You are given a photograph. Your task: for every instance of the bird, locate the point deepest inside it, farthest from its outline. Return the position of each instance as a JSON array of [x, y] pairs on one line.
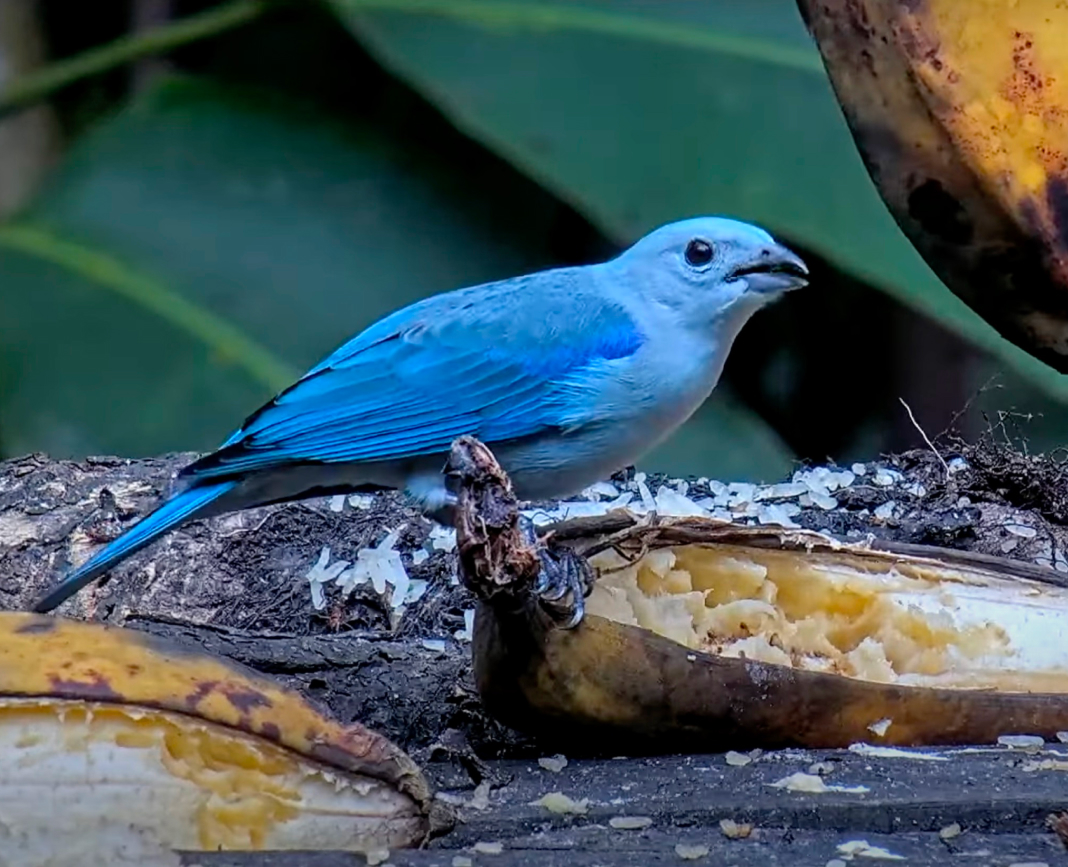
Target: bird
[[568, 375]]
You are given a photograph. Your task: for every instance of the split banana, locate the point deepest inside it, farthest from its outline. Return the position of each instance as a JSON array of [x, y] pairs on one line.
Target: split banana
[[114, 743], [960, 111], [704, 636]]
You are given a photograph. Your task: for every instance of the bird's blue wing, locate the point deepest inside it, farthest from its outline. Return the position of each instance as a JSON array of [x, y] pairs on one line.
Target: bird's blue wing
[[487, 361]]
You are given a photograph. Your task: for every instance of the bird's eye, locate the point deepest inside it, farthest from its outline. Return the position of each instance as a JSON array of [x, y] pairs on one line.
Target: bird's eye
[[699, 253]]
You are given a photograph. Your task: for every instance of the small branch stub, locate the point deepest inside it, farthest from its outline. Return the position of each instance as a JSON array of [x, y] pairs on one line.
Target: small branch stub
[[494, 556], [502, 560]]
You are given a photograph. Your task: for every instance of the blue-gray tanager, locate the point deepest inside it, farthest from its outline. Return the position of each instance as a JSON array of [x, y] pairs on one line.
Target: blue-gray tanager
[[568, 375]]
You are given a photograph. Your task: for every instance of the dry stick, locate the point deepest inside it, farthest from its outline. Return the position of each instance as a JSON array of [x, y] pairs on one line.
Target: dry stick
[[926, 439]]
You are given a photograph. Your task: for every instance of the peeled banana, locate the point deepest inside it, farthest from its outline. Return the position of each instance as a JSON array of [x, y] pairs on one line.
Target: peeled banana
[[113, 743], [960, 111]]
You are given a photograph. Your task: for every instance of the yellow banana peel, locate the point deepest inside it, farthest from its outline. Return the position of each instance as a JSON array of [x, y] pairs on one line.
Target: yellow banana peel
[[960, 111], [113, 741]]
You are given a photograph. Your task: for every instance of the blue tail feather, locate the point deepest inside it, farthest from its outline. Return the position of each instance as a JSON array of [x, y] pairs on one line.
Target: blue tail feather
[[176, 511]]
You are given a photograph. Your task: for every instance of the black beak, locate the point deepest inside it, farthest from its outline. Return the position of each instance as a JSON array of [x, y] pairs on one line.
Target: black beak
[[775, 269]]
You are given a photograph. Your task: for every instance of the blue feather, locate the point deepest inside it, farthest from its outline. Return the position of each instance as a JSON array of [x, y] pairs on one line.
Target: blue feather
[[476, 361], [176, 511]]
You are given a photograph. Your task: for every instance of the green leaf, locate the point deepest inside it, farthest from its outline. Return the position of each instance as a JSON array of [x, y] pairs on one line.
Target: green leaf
[[640, 112], [200, 249]]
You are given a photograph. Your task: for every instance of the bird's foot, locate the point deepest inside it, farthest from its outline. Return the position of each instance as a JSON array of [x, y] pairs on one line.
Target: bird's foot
[[564, 580]]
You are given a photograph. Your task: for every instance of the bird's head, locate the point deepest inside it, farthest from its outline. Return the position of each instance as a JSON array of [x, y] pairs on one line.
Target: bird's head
[[711, 269]]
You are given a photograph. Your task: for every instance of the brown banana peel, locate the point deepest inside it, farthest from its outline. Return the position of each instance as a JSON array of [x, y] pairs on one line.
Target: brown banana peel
[[113, 741], [960, 112], [702, 635]]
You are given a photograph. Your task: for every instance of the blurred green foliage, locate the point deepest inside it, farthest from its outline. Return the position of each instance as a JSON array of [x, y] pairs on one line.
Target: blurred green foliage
[[203, 242]]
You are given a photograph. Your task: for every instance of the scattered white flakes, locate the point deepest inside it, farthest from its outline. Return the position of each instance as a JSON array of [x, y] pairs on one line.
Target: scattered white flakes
[[553, 764], [462, 861], [484, 848], [321, 574], [879, 728], [337, 503], [443, 538], [1022, 742], [886, 511], [575, 509], [480, 798], [467, 633], [1021, 530], [417, 588], [877, 752], [376, 856], [1059, 561], [781, 491], [419, 555], [950, 831], [601, 491], [671, 503], [917, 490], [823, 480], [717, 488], [558, 802], [813, 785], [434, 645], [648, 503], [864, 849], [1045, 765], [361, 501], [778, 513], [737, 760], [401, 585], [859, 469], [383, 567], [823, 501], [688, 852], [735, 830], [739, 494], [630, 823]]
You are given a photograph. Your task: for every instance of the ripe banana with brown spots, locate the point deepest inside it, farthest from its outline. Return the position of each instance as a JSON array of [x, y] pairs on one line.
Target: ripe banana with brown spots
[[960, 111]]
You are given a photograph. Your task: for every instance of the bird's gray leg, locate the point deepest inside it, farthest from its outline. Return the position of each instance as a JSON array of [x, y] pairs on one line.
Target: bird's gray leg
[[564, 581]]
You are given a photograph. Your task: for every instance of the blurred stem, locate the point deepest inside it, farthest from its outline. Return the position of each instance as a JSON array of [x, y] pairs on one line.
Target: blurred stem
[[33, 87], [225, 339], [147, 16], [569, 16]]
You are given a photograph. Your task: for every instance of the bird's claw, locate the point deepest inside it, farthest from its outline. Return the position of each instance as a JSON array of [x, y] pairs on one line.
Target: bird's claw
[[564, 580]]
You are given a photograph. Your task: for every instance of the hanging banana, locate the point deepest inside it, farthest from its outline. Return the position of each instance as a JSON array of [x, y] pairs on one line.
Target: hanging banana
[[960, 111]]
